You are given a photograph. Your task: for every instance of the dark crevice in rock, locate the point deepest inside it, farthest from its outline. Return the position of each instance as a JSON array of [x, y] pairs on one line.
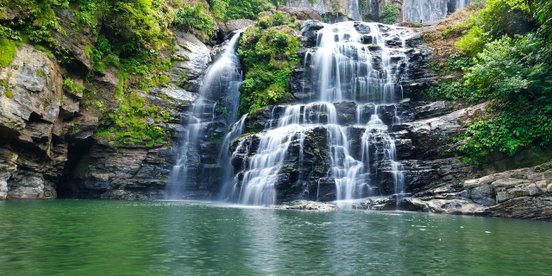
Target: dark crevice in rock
[[78, 158]]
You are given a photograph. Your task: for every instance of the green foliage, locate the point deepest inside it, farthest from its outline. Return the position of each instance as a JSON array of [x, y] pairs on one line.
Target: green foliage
[[451, 91], [218, 8], [455, 63], [510, 68], [141, 22], [7, 51], [268, 55], [495, 19], [390, 14], [89, 11], [542, 12], [246, 9], [473, 42], [508, 133], [238, 9], [195, 17], [36, 22], [72, 87], [507, 66], [500, 17], [515, 75]]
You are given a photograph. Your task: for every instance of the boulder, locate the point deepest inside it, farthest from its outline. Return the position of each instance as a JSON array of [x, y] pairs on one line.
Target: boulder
[[232, 26], [301, 13]]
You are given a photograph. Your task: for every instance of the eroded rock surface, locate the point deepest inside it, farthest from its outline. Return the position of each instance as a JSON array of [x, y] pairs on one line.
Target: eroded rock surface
[[522, 193]]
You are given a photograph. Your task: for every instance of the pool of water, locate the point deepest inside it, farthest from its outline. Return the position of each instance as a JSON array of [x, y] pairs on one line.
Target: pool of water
[[71, 237]]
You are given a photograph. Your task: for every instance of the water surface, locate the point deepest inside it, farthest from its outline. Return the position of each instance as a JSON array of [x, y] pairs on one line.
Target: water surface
[[64, 237]]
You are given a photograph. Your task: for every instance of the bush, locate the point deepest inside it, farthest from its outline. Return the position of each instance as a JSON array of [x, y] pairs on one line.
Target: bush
[[510, 67], [268, 55], [195, 17], [450, 91], [515, 75], [472, 42], [390, 14]]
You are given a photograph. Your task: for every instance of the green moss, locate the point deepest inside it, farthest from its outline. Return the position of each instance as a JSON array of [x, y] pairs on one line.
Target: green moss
[[8, 93], [269, 56], [40, 72], [135, 121], [72, 87], [7, 52]]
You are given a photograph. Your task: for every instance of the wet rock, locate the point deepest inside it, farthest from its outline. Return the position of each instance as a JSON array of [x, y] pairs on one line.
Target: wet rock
[[372, 203], [74, 40], [307, 205], [300, 174], [309, 32]]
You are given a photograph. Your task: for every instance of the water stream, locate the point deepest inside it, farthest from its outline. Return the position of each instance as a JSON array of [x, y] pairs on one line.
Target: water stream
[[219, 93], [430, 11], [356, 62]]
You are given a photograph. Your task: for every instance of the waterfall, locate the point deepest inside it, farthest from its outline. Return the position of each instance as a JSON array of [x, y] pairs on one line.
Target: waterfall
[[219, 93], [362, 63], [430, 11], [354, 10], [224, 158], [360, 66]]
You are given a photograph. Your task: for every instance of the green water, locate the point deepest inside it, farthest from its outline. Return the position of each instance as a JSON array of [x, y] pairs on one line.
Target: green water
[[161, 238]]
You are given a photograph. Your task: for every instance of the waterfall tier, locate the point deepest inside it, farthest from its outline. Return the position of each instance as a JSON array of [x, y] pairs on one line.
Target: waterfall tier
[[339, 144], [212, 113]]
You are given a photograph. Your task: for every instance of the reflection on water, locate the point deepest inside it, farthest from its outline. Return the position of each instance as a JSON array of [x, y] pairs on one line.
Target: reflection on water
[[184, 238]]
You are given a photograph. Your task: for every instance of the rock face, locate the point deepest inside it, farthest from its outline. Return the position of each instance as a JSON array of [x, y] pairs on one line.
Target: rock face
[[339, 9], [301, 13], [32, 150], [523, 193], [47, 147], [98, 170]]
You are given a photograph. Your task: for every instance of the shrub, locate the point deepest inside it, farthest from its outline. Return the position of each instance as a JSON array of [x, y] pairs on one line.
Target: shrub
[[514, 75], [268, 55], [390, 14], [472, 42], [195, 17]]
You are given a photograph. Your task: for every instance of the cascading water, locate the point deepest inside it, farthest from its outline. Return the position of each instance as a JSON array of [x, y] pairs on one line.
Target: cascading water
[[355, 62], [219, 93], [430, 11], [354, 10]]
